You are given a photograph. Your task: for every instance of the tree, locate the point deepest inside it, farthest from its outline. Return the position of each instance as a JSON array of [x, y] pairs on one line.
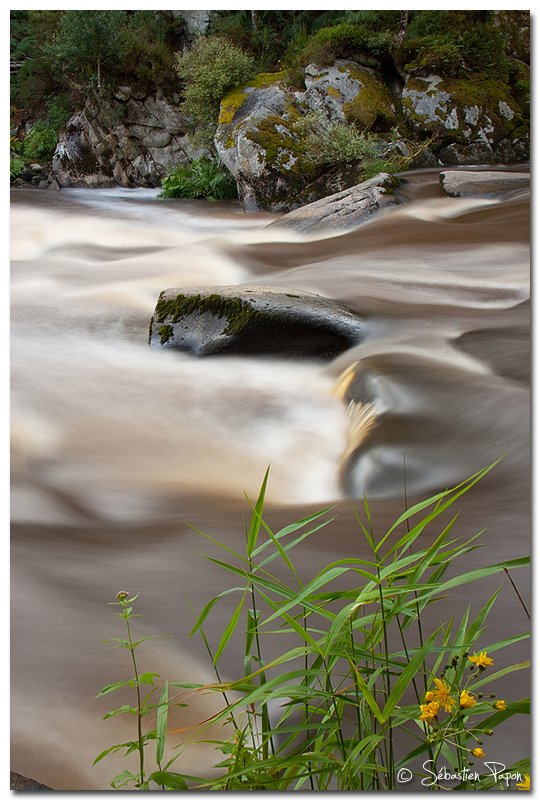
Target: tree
[[90, 38]]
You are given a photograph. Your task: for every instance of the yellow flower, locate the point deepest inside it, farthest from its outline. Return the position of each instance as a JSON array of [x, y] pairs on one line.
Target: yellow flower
[[442, 695], [466, 700], [429, 711], [478, 752], [482, 660], [429, 697], [526, 785], [501, 705]]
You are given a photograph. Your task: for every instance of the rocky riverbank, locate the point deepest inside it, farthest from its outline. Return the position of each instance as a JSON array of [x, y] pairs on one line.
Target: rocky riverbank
[[290, 138]]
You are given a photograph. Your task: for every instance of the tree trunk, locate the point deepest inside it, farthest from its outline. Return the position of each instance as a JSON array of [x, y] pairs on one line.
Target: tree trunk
[[99, 73], [403, 23], [254, 21]]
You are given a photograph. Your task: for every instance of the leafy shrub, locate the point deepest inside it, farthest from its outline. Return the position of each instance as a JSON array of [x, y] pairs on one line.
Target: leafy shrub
[[443, 39], [375, 20], [148, 55], [347, 40], [40, 143], [341, 40], [59, 109], [201, 178], [212, 68], [16, 166], [432, 54], [483, 50], [335, 142]]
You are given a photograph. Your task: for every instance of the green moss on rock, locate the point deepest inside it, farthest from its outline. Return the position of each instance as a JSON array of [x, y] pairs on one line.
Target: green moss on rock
[[278, 138], [372, 104], [166, 332], [233, 101], [238, 313]]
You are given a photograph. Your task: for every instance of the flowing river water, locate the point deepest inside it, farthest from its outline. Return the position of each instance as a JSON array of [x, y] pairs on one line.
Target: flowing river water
[[117, 449]]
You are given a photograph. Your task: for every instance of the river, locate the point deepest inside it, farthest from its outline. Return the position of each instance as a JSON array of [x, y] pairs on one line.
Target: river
[[117, 449]]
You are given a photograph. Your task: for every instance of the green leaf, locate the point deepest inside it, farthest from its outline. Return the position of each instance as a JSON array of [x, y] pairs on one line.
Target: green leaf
[[407, 675], [171, 779], [496, 675], [256, 518], [161, 723], [452, 494], [122, 641], [123, 779], [277, 544], [121, 710], [211, 603], [294, 527], [229, 629], [111, 687], [370, 700], [148, 677], [483, 572], [112, 749], [320, 580]]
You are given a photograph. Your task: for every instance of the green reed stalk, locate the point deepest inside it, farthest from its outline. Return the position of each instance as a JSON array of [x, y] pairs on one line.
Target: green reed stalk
[[131, 648]]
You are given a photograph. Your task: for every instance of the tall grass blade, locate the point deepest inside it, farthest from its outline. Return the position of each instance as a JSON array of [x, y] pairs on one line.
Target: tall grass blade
[[256, 518], [229, 630]]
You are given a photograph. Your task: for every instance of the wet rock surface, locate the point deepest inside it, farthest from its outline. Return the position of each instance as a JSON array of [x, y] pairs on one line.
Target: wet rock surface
[[464, 183], [21, 784], [253, 320], [344, 209]]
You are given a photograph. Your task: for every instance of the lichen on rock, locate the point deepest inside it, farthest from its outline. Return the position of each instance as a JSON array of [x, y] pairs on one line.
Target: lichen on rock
[[462, 111], [261, 141]]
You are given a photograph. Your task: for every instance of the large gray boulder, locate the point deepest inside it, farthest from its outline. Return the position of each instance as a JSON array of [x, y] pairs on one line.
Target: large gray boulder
[[465, 183], [262, 140], [253, 320], [349, 92], [343, 209], [462, 111]]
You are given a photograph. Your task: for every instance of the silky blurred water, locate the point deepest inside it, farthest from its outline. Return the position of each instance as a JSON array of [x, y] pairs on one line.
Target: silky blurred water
[[116, 446]]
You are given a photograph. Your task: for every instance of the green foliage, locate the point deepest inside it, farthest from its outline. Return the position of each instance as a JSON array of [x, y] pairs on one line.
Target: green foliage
[[344, 692], [16, 166], [140, 710], [330, 143], [34, 74], [455, 42], [40, 143], [432, 54], [272, 37], [201, 178], [344, 40], [148, 41], [89, 41], [212, 68]]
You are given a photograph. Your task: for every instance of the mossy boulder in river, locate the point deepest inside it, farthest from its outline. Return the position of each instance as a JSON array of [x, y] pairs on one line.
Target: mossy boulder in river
[[253, 320]]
